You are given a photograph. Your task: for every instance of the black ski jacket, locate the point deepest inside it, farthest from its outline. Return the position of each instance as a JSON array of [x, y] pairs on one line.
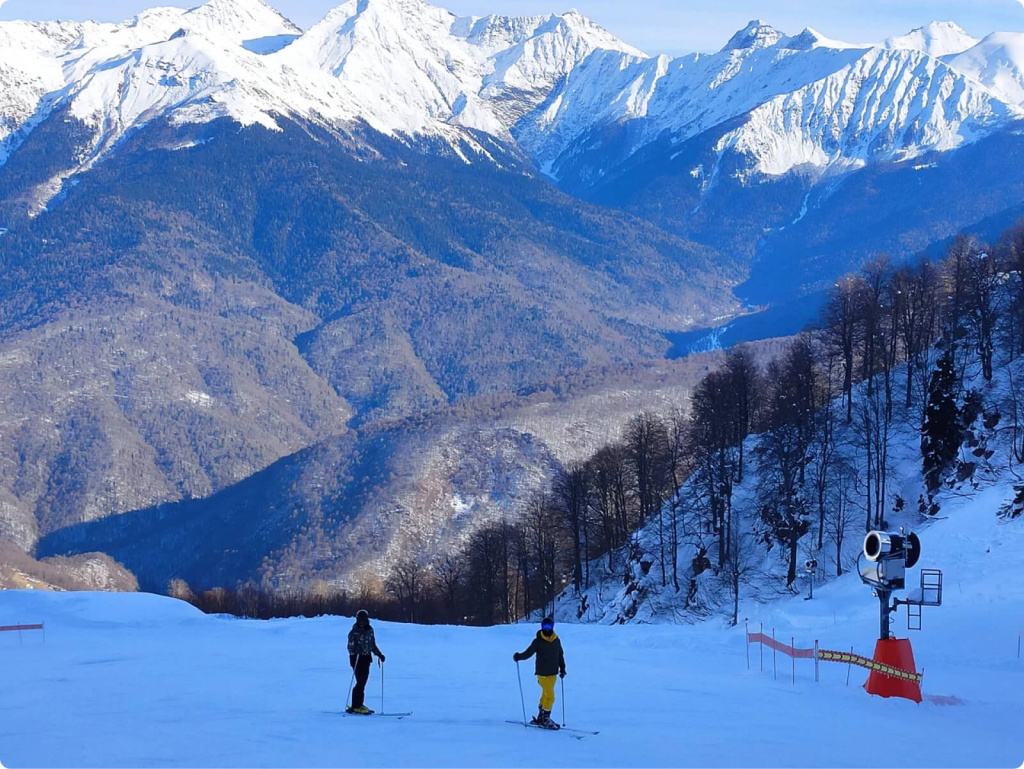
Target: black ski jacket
[[550, 658], [361, 641]]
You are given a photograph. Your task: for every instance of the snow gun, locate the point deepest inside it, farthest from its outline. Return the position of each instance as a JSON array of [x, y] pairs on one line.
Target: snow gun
[[883, 565]]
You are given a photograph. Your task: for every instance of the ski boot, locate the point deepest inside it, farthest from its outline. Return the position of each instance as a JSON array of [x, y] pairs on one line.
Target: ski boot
[[362, 710], [544, 721]]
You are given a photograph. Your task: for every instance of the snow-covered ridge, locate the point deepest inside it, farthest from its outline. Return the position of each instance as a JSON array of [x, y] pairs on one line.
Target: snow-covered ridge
[[940, 38], [997, 62], [805, 101], [409, 68]]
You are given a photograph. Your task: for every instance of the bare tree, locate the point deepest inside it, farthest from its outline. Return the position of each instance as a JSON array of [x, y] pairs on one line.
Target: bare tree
[[1011, 257], [738, 566], [647, 452], [840, 322], [746, 391], [449, 573], [571, 494], [915, 289], [842, 514], [406, 582]]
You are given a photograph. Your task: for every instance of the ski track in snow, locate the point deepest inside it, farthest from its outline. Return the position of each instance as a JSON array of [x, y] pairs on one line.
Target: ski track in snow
[[143, 680]]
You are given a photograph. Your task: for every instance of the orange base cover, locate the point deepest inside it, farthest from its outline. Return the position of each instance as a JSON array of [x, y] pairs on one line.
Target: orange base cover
[[898, 653]]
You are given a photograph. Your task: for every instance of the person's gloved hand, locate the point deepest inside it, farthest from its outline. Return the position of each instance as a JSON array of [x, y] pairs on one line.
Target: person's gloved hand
[[561, 673], [380, 657], [516, 657]]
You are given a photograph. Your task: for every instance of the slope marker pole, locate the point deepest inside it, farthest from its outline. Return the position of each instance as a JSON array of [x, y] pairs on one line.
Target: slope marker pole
[[775, 664], [746, 630]]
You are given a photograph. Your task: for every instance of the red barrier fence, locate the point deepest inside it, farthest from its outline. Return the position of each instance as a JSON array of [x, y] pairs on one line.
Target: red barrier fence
[[20, 627], [771, 643], [823, 655]]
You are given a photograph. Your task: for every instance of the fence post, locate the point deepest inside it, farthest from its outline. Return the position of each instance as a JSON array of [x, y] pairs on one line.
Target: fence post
[[760, 647], [816, 660], [746, 631], [1018, 644], [775, 664], [849, 667], [792, 648]]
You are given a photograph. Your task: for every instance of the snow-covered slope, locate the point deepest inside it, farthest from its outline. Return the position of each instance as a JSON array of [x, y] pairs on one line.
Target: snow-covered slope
[[998, 63], [804, 100], [940, 38], [887, 105], [401, 66], [409, 64], [116, 76]]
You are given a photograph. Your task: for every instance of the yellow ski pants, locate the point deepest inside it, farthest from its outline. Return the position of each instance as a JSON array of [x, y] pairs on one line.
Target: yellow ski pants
[[547, 691]]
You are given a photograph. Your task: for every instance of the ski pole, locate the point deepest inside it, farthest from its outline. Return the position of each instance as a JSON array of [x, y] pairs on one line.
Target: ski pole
[[380, 663], [521, 699], [563, 700], [348, 694]]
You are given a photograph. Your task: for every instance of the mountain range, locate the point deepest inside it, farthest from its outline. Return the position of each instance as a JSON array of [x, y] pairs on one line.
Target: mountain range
[[256, 279]]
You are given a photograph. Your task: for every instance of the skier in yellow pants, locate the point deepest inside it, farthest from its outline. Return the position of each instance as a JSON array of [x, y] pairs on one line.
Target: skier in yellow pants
[[549, 665]]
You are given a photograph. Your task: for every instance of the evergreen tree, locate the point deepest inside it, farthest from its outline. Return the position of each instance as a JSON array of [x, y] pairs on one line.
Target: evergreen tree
[[940, 434]]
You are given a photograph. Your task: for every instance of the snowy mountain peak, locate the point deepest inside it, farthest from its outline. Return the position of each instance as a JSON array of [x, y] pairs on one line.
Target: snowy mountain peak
[[940, 38], [757, 34], [239, 20], [997, 62], [811, 38]]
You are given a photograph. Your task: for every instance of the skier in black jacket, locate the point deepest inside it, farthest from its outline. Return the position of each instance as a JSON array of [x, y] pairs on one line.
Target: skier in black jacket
[[550, 663], [361, 644]]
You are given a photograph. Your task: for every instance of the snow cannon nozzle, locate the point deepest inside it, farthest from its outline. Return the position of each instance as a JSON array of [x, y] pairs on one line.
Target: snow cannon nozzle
[[888, 556]]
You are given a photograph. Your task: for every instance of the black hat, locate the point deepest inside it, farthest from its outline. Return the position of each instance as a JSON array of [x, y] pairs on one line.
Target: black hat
[[362, 616]]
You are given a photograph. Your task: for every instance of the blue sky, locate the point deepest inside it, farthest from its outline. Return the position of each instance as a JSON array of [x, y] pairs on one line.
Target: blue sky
[[656, 26]]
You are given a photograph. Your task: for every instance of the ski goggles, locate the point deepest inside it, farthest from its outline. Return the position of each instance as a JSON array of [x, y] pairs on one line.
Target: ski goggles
[[547, 626]]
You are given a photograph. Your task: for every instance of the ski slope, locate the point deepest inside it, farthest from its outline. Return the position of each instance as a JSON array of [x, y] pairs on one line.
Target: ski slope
[[143, 680]]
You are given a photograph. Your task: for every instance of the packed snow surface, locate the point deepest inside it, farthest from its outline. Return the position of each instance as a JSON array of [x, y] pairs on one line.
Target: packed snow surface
[[142, 680]]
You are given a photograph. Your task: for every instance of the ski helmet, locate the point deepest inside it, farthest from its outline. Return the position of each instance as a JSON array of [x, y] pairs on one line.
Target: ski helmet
[[548, 623], [362, 617]]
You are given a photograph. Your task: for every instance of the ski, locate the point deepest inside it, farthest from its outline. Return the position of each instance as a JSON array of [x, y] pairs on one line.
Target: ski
[[364, 715], [392, 715], [559, 729]]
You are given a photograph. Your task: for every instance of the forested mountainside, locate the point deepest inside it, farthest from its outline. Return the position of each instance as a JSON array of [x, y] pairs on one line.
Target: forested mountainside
[[344, 511], [253, 277], [188, 335]]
